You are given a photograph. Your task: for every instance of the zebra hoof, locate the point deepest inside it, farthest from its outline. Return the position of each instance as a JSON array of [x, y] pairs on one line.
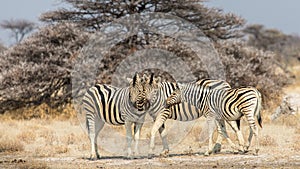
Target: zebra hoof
[[217, 148], [206, 153], [164, 153], [94, 157], [128, 158], [242, 152], [256, 152]]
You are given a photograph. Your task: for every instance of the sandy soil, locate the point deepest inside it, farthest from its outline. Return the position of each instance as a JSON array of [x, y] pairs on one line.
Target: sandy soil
[[63, 144]]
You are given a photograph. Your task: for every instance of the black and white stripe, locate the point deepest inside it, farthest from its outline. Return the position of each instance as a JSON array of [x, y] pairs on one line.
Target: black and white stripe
[[232, 104]]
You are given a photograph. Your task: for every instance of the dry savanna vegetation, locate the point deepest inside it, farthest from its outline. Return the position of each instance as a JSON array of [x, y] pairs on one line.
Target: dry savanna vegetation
[[40, 128]]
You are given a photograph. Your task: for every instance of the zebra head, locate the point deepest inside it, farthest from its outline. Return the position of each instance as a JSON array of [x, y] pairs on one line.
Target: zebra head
[[137, 94], [174, 98], [151, 86]]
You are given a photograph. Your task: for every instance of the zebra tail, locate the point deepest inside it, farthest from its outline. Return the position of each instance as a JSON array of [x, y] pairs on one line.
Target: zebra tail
[[258, 108]]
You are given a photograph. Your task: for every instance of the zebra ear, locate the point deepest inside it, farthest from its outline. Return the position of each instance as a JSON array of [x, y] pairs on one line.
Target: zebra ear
[[129, 79], [135, 79], [151, 78]]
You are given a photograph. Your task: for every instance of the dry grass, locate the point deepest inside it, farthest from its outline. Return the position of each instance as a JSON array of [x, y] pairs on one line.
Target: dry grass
[[10, 145], [296, 144], [267, 140], [288, 120], [42, 111], [27, 136], [297, 130], [32, 165], [48, 135]]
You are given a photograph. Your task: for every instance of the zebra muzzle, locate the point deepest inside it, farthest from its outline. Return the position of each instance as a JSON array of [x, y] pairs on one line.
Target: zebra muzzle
[[139, 105]]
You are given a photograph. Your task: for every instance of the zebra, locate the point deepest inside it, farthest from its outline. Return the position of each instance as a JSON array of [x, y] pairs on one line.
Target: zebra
[[192, 107], [230, 105], [117, 106]]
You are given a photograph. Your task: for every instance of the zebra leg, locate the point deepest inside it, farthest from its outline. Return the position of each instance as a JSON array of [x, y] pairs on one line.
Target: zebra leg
[[236, 129], [94, 127], [160, 120], [163, 136], [249, 138], [128, 128], [253, 130], [137, 131], [211, 127], [221, 127]]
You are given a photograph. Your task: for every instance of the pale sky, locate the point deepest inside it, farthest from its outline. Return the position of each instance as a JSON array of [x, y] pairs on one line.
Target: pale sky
[[283, 15]]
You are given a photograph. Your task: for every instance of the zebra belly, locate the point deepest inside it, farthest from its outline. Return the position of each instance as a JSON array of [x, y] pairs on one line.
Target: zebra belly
[[112, 116], [114, 122], [232, 116]]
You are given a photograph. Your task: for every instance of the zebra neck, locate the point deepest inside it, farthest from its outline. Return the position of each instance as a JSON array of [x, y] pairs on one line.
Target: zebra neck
[[123, 94], [133, 114], [157, 101]]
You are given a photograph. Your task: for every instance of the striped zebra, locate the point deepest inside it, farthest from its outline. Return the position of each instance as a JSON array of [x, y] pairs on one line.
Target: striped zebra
[[117, 106], [230, 105], [191, 107]]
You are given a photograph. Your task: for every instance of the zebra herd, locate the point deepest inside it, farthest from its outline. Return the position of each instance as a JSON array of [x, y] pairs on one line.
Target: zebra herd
[[213, 99]]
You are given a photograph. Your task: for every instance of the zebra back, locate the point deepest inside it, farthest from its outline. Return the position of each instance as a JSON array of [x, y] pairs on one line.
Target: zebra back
[[189, 99], [234, 103]]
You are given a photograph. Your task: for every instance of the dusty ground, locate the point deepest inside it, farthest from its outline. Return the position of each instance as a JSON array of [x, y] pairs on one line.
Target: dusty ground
[[63, 143], [50, 143]]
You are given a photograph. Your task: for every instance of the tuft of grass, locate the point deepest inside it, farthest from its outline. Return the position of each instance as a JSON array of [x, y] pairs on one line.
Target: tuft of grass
[[48, 135], [73, 138], [50, 151], [1, 134], [10, 145], [42, 111], [289, 120], [297, 130], [60, 149], [27, 136], [267, 140], [296, 145], [69, 139]]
